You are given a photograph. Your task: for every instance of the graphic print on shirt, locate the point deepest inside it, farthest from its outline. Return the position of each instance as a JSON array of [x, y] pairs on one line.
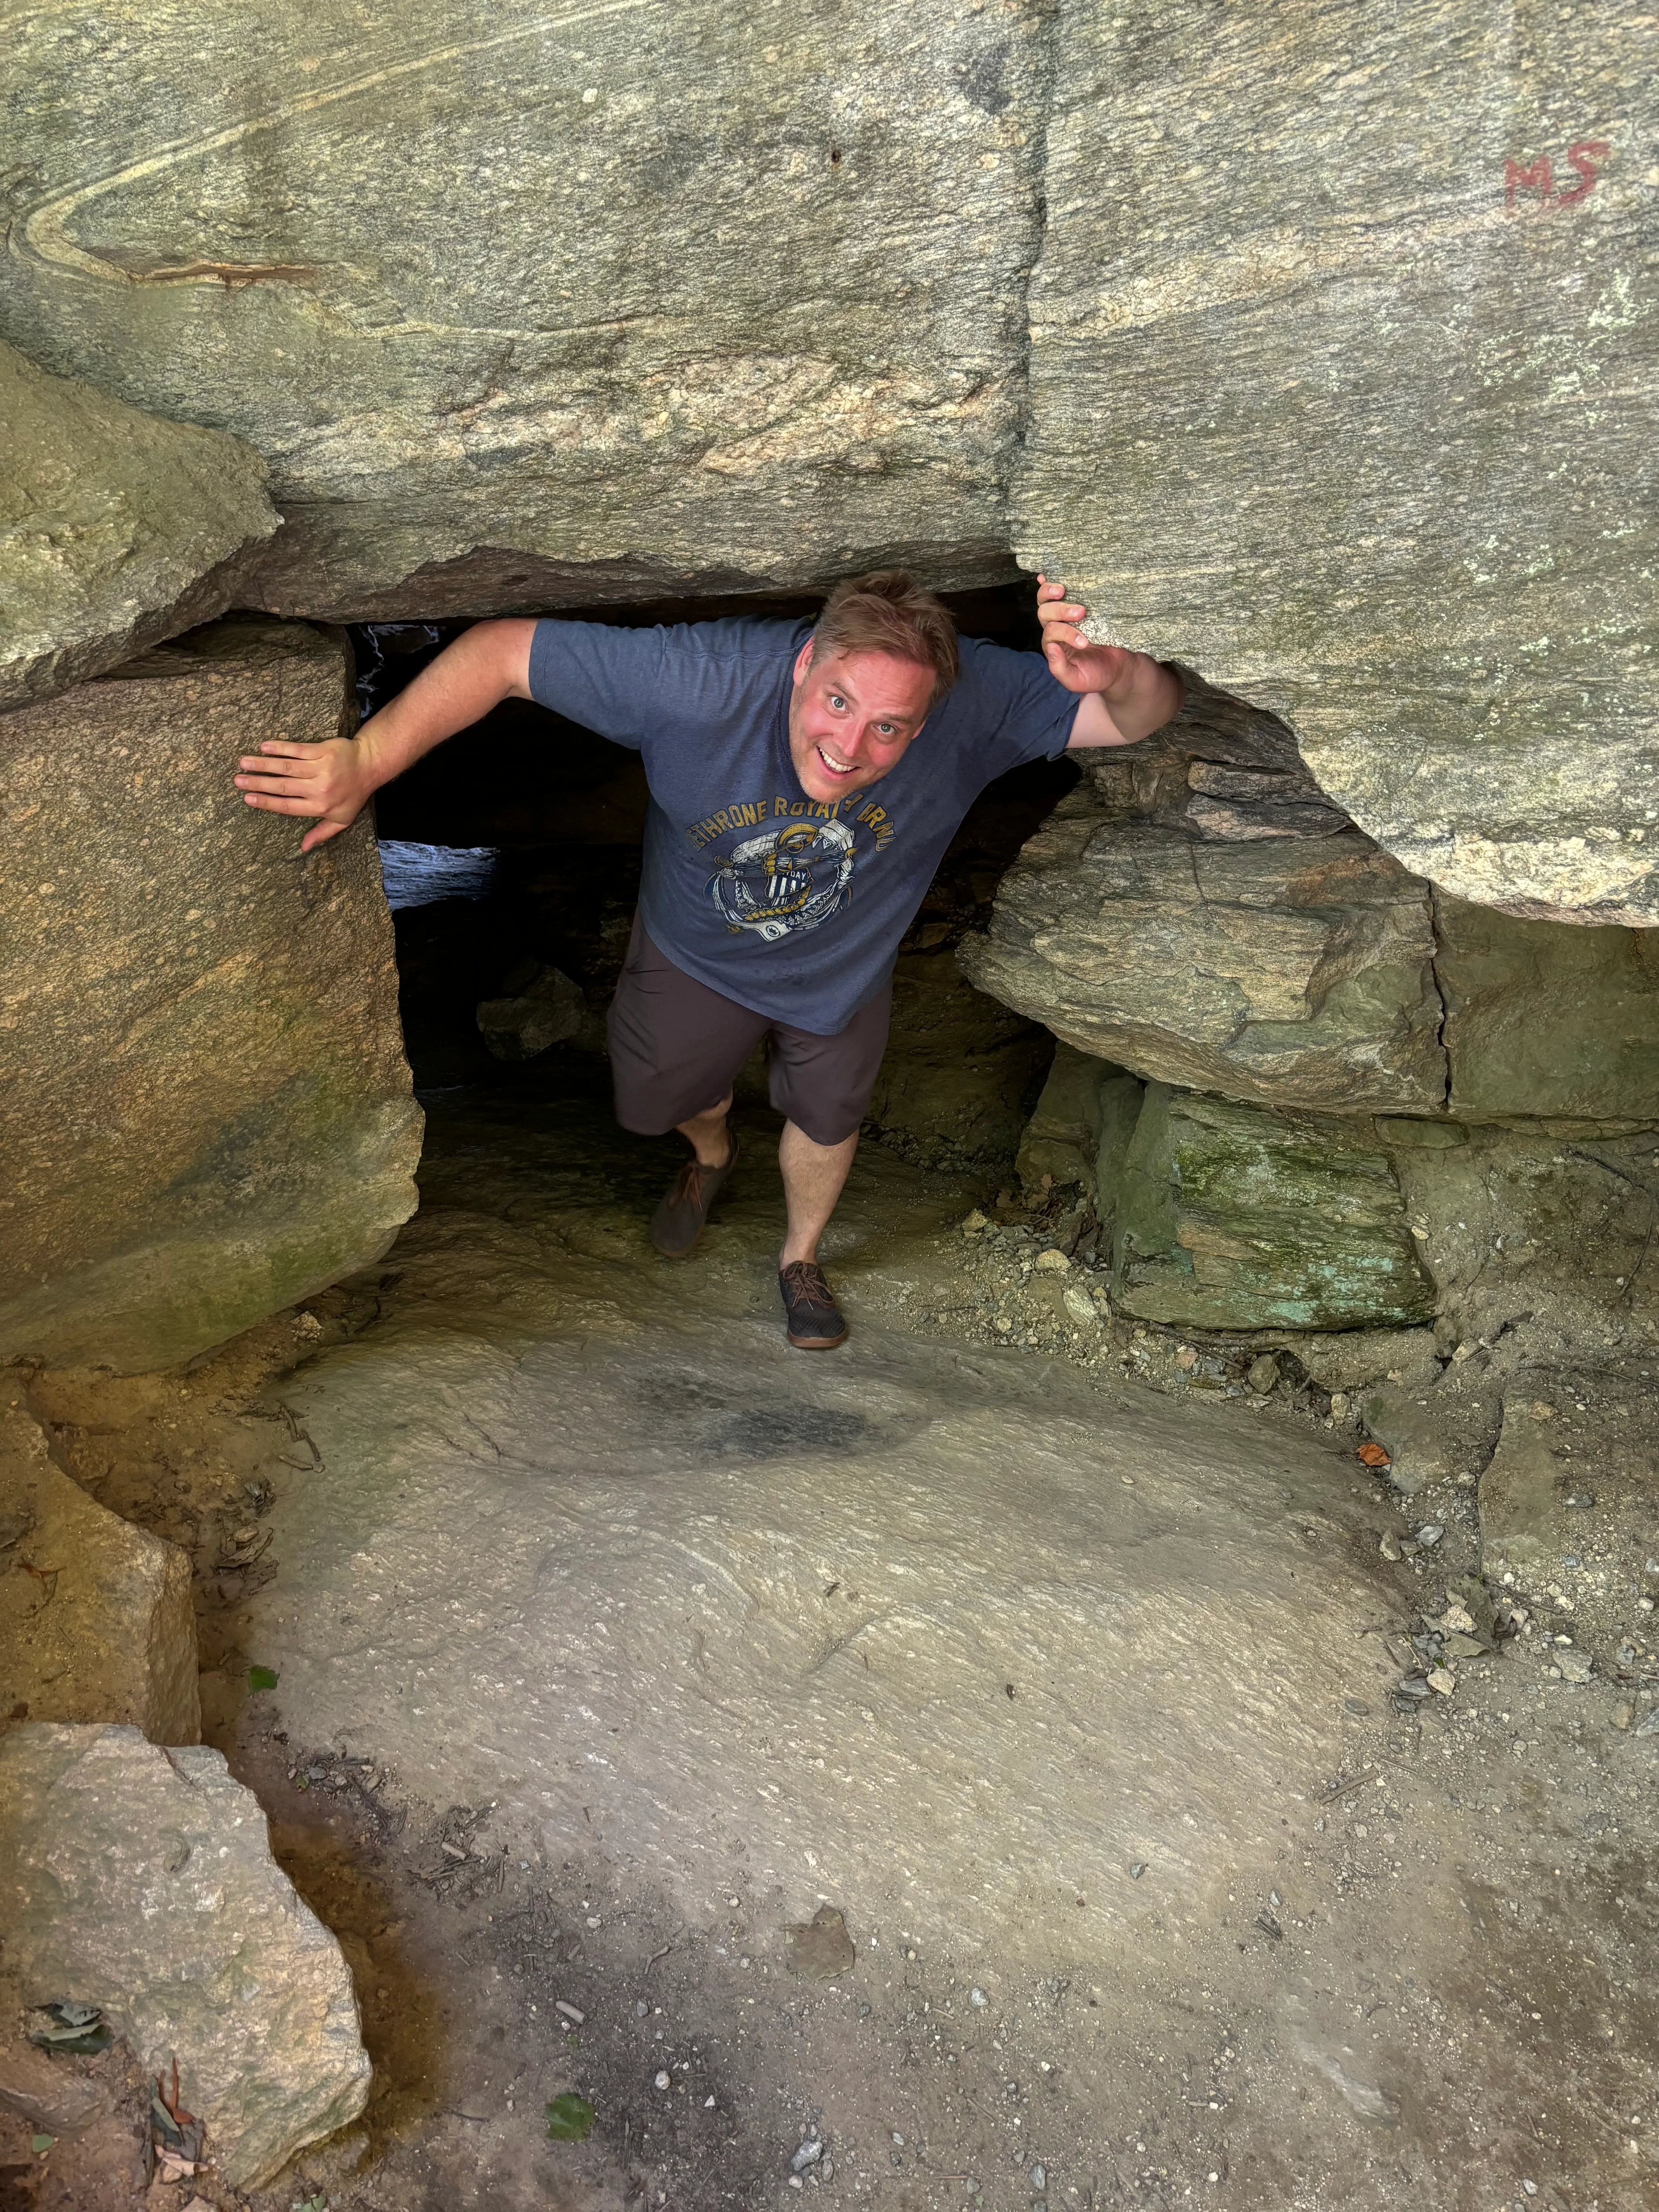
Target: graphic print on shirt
[[788, 879]]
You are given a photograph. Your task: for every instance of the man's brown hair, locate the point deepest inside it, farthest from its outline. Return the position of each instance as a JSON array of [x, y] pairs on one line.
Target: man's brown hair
[[888, 613]]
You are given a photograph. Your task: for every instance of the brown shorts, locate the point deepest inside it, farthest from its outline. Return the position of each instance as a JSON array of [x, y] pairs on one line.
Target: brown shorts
[[676, 1045]]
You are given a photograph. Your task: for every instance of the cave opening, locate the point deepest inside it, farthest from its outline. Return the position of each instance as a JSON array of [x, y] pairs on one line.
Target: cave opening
[[512, 855]]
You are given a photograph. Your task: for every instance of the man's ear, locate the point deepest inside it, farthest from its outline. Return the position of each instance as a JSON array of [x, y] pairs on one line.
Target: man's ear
[[803, 662]]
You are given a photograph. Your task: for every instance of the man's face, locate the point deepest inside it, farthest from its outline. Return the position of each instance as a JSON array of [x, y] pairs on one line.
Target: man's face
[[851, 718]]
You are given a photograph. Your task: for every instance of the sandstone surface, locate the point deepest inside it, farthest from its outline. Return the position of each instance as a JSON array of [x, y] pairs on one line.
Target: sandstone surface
[[205, 1105], [745, 1561], [1343, 345], [97, 1620], [117, 528], [752, 309], [141, 1880], [1231, 1216]]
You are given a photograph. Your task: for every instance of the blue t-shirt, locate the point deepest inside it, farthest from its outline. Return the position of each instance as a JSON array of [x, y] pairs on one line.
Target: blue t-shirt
[[793, 907]]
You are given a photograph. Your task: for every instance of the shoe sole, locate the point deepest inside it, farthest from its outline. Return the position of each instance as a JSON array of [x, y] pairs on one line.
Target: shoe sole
[[679, 1251], [816, 1343], [684, 1251]]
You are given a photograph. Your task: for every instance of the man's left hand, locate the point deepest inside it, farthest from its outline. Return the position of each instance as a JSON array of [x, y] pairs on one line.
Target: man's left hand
[[1072, 660]]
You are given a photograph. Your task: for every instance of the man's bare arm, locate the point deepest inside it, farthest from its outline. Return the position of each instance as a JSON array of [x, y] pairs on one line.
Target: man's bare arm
[[1124, 696], [332, 782]]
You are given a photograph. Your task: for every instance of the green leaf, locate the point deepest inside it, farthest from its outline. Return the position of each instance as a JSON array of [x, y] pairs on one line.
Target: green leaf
[[570, 2117], [262, 1678], [41, 2143], [78, 2029]]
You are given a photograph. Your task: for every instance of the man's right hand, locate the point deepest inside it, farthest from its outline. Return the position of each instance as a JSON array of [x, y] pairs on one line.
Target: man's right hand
[[333, 782]]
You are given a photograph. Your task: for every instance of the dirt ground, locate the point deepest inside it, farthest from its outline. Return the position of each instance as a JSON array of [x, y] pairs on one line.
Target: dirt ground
[[1169, 1876]]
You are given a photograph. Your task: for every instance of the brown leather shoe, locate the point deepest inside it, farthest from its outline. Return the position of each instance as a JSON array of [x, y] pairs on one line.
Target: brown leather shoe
[[684, 1213], [815, 1322]]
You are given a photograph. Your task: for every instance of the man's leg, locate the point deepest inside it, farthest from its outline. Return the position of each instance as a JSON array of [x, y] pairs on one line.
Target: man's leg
[[813, 1175], [822, 1087], [674, 1042], [709, 1136]]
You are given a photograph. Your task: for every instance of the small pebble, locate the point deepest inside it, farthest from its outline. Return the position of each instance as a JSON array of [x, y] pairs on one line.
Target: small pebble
[[1039, 2180], [570, 2011], [978, 1999], [1431, 1533], [1389, 1546], [662, 2081], [1137, 1869], [809, 2154], [640, 2008], [1442, 1679]]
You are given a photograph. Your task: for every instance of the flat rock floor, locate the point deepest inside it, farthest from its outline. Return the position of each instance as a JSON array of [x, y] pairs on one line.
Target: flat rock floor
[[956, 1776]]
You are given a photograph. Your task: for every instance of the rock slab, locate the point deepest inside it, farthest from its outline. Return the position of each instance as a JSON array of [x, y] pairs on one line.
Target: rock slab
[[752, 309], [96, 1619], [1522, 1500], [205, 1108], [117, 529], [1343, 350], [1294, 972], [141, 1880]]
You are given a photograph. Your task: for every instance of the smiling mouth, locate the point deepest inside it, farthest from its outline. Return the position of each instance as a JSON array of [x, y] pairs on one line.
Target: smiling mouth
[[835, 766]]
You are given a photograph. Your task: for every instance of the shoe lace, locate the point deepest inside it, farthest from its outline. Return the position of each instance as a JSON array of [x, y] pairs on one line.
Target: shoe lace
[[808, 1287]]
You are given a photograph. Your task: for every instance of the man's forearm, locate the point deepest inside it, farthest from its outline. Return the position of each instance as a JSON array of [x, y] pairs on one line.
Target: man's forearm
[[485, 665], [1140, 696], [1143, 698]]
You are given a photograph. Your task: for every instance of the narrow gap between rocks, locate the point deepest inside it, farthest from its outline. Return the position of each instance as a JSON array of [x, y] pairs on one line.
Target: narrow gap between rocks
[[512, 859]]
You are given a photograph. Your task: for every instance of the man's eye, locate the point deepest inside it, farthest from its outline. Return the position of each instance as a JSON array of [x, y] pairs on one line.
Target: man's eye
[[836, 701]]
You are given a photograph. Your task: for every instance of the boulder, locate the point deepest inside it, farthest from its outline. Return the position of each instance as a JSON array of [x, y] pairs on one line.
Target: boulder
[[141, 1880], [751, 310], [206, 1111], [540, 1008], [1063, 1135], [96, 1619], [1196, 911], [1293, 970], [1343, 348], [1231, 1216], [117, 529]]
